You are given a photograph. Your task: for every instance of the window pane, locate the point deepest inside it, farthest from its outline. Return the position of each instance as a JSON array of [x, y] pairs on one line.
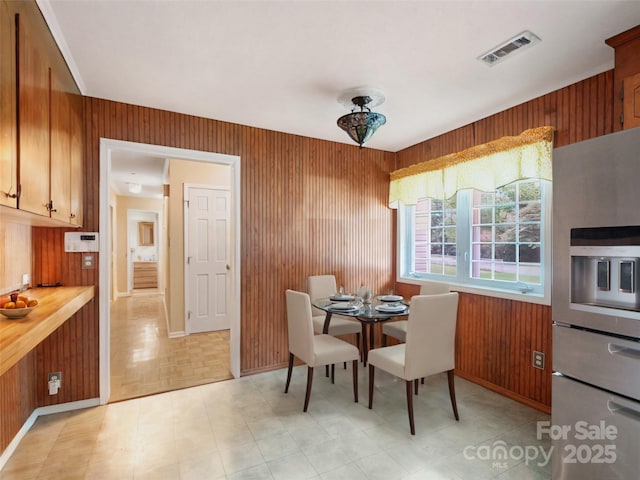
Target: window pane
[[482, 270], [450, 217], [506, 195], [486, 215], [530, 232], [436, 219], [529, 253], [482, 234], [436, 204], [505, 252], [436, 249], [486, 252], [530, 190], [530, 274], [506, 214], [530, 212], [505, 233], [451, 203], [450, 235], [437, 235], [507, 272]]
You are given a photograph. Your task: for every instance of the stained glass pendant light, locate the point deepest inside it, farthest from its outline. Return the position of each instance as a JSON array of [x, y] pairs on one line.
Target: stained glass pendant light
[[361, 125]]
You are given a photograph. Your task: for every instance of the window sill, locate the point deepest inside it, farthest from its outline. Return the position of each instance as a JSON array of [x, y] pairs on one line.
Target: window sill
[[488, 292]]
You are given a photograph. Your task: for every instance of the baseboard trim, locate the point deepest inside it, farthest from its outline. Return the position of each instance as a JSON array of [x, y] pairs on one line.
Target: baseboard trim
[[178, 334], [505, 392], [48, 410]]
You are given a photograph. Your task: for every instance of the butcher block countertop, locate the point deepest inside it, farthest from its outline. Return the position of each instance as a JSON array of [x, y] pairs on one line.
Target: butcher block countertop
[[55, 306]]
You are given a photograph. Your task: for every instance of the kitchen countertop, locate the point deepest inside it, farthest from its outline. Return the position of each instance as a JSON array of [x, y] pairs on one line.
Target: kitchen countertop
[[55, 306]]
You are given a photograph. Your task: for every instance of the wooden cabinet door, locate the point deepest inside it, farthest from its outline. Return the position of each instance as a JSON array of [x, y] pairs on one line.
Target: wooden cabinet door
[[60, 149], [76, 120], [8, 132], [34, 128], [631, 107]]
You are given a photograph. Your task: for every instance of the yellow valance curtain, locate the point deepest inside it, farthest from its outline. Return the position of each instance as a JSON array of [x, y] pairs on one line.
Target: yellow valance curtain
[[484, 167]]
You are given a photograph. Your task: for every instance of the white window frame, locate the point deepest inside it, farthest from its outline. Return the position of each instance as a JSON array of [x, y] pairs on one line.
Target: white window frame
[[462, 282]]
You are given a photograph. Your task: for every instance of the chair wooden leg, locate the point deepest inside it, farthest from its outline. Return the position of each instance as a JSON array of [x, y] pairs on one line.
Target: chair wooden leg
[[355, 380], [415, 382], [358, 345], [345, 365], [333, 373], [371, 375], [452, 394], [326, 371], [422, 380], [384, 340], [309, 382], [286, 387], [410, 406]]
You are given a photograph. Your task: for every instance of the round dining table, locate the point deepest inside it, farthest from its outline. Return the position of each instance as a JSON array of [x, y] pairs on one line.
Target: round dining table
[[368, 314]]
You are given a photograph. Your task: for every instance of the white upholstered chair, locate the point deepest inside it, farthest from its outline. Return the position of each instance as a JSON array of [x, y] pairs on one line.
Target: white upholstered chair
[[322, 286], [314, 350], [398, 329], [429, 347]]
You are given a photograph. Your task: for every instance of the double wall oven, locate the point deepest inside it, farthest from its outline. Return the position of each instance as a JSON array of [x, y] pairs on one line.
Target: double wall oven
[[595, 427]]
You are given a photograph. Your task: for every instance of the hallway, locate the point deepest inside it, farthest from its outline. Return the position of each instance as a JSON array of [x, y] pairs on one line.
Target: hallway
[[145, 361]]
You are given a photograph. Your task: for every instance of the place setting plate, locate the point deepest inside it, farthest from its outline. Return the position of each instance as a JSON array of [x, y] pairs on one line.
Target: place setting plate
[[341, 298], [391, 298], [343, 307], [389, 308]]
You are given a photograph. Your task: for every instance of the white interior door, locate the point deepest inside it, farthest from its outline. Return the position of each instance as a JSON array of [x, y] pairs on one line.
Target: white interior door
[[208, 235]]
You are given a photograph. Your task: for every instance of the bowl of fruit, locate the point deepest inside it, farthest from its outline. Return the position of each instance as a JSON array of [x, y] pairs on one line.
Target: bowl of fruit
[[17, 306]]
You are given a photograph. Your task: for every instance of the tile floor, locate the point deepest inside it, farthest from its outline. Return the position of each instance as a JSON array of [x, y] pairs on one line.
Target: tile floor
[[248, 428], [144, 360]]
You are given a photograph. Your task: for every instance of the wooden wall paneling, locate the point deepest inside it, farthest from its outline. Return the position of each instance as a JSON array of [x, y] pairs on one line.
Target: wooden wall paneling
[[18, 398]]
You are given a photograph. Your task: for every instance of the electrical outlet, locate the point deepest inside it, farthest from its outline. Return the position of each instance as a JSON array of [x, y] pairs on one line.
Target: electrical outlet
[[538, 360], [87, 261], [54, 382]]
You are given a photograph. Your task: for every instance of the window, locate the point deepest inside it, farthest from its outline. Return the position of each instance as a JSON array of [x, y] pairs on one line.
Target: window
[[497, 240]]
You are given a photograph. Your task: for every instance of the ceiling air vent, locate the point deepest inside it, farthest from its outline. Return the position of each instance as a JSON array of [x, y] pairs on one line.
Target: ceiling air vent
[[520, 41]]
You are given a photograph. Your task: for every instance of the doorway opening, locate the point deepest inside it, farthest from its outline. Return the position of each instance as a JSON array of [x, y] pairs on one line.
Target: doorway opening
[[110, 148]]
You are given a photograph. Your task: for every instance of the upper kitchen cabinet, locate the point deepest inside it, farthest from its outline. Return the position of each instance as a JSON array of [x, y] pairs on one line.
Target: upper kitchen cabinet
[[626, 78], [66, 149], [8, 130], [34, 103], [50, 123]]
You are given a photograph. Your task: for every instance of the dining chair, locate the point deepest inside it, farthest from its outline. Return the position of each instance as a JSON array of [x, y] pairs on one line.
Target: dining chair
[[323, 286], [314, 350], [398, 330], [429, 347]]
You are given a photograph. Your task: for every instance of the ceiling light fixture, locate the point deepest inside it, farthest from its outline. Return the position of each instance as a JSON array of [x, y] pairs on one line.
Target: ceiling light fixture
[[519, 42], [361, 125], [134, 187]]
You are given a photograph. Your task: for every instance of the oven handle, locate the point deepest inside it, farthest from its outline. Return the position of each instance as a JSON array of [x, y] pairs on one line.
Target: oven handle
[[629, 412], [621, 350]]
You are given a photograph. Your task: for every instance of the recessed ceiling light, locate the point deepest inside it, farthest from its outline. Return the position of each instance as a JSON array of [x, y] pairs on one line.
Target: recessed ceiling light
[[517, 43]]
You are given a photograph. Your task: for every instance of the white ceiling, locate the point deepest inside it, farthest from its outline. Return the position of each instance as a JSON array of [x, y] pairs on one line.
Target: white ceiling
[[282, 65]]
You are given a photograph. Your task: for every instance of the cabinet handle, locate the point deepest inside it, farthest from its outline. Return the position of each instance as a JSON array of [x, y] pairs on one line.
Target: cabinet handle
[[50, 206], [13, 195], [623, 351], [72, 215]]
